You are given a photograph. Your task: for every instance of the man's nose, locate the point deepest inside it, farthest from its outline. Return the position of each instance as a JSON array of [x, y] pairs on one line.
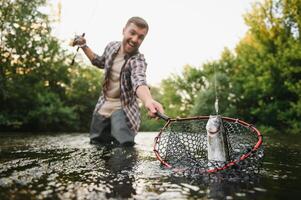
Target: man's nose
[[135, 38]]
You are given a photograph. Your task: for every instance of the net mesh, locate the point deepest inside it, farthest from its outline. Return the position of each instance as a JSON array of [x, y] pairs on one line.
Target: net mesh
[[182, 146]]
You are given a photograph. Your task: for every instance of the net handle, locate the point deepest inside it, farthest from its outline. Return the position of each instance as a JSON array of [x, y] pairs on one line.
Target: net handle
[[162, 116]]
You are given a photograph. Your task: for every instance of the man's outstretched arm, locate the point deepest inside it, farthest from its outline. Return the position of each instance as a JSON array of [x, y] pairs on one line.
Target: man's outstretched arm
[[145, 96]]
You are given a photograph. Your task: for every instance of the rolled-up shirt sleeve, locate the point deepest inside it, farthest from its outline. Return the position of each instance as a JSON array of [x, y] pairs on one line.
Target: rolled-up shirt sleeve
[[138, 73], [98, 61]]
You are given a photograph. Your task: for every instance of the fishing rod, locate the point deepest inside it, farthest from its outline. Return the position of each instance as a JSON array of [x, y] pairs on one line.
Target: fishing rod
[[76, 37], [92, 14]]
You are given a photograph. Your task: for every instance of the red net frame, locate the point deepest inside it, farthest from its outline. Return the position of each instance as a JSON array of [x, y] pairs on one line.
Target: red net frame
[[251, 130]]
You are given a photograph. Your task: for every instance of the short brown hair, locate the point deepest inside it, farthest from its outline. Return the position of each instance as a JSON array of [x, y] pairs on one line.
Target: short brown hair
[[138, 21]]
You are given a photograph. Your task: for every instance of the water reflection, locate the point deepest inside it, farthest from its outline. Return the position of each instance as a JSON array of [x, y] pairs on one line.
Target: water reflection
[[48, 169], [104, 173], [66, 166], [120, 162]]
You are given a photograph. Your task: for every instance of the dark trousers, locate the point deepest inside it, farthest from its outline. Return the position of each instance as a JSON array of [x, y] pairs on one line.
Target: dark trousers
[[111, 130]]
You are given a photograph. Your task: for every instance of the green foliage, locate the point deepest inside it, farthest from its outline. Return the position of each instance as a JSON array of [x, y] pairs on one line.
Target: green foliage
[[261, 81], [269, 59], [39, 91], [83, 92], [50, 114], [218, 86], [179, 91]]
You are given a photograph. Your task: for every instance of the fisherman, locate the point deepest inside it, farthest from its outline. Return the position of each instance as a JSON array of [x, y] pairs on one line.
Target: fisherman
[[116, 117]]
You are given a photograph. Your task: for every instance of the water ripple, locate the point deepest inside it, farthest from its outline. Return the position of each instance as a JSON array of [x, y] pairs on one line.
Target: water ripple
[[66, 166]]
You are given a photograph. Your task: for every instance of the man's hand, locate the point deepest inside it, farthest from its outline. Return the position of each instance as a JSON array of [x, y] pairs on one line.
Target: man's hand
[[79, 40], [150, 104], [153, 106]]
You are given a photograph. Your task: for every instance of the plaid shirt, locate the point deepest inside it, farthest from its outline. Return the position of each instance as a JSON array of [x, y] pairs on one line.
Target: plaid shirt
[[132, 76]]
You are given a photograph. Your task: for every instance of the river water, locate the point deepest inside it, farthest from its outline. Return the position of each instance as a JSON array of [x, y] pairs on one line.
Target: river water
[[66, 166]]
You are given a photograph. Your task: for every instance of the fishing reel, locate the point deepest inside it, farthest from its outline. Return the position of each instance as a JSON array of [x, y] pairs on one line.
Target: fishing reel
[[75, 39]]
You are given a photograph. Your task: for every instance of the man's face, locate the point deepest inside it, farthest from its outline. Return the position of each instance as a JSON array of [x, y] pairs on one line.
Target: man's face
[[133, 36]]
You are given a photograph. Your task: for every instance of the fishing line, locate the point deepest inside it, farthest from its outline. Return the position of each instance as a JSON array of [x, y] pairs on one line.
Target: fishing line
[[87, 25], [215, 90]]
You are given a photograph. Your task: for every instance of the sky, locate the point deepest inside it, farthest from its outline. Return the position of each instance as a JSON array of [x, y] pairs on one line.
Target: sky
[[182, 32]]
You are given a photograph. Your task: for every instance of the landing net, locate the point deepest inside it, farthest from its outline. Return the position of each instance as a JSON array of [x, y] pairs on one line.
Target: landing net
[[181, 145]]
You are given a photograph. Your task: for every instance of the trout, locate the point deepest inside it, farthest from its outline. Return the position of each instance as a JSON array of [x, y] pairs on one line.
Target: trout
[[216, 140]]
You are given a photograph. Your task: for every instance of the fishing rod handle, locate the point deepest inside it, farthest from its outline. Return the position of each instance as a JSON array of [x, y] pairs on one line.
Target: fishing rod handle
[[72, 61]]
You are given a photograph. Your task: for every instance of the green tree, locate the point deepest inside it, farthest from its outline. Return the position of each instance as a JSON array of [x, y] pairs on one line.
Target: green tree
[[260, 82], [269, 65], [179, 91], [83, 92], [38, 88], [218, 85]]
